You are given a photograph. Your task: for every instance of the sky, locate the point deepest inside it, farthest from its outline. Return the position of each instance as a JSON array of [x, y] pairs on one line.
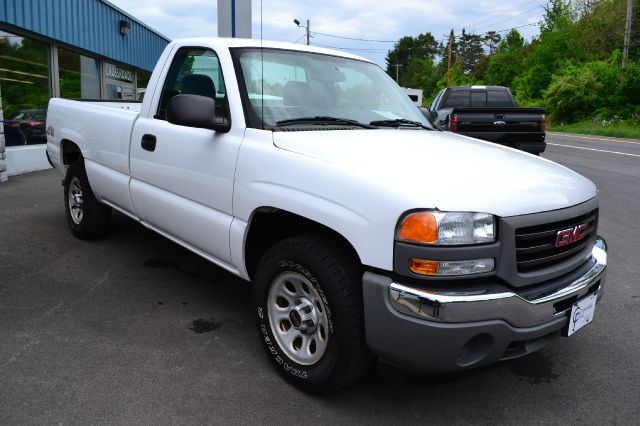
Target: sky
[[335, 23]]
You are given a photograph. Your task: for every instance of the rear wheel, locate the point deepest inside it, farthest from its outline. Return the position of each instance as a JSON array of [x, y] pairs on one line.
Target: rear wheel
[[308, 301], [87, 217]]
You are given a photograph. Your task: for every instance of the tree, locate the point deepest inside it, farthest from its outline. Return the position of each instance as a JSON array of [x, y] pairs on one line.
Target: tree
[[554, 49], [406, 50], [506, 63], [558, 15], [491, 40], [423, 74], [469, 51]]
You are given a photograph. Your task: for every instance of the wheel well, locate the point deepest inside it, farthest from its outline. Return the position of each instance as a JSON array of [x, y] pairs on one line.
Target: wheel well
[[270, 225], [70, 152]]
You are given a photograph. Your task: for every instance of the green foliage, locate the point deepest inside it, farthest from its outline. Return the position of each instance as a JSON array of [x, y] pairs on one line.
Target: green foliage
[[572, 68], [470, 52], [24, 75], [573, 95], [629, 93], [506, 63], [617, 128], [423, 74], [594, 89], [492, 40], [408, 49]]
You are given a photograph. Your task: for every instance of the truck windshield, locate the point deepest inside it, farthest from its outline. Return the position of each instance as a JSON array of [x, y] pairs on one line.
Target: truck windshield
[[283, 85]]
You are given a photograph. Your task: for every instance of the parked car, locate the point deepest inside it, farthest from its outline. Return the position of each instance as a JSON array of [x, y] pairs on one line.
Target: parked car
[[13, 135], [26, 127], [489, 113], [366, 234]]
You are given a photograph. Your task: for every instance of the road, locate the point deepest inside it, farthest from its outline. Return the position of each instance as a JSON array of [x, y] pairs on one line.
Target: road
[[101, 331]]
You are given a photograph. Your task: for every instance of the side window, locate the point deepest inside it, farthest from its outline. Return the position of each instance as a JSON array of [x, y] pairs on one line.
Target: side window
[[194, 71], [499, 99], [478, 98], [456, 98]]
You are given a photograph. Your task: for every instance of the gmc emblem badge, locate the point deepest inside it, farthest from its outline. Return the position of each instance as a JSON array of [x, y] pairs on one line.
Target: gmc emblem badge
[[571, 235]]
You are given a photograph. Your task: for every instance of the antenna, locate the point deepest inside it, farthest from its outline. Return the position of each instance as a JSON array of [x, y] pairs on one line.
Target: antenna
[[261, 71]]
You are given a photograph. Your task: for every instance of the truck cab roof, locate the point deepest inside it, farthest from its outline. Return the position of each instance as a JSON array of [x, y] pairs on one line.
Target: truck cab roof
[[224, 42], [477, 87]]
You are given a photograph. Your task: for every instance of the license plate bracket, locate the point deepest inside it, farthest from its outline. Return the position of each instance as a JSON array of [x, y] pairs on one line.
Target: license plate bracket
[[581, 314]]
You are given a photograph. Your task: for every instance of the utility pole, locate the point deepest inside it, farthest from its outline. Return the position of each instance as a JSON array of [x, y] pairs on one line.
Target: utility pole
[[307, 29], [627, 35], [397, 67], [449, 62]]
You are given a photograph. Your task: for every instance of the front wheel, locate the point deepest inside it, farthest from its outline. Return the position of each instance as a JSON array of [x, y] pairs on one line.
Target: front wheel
[[87, 217], [308, 301]]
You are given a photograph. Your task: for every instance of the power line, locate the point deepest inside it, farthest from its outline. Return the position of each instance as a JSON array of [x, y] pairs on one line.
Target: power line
[[354, 38], [504, 12], [515, 28], [351, 48], [511, 17], [486, 33], [359, 49]]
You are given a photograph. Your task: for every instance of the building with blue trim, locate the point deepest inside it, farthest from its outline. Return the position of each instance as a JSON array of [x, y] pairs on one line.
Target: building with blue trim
[[86, 49]]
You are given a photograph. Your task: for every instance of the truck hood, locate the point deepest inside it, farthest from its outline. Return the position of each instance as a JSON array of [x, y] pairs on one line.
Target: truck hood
[[429, 169]]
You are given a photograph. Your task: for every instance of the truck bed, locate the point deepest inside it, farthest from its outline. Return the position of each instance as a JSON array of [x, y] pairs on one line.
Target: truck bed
[[103, 129]]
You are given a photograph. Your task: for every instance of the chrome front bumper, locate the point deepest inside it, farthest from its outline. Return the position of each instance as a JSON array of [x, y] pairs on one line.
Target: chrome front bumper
[[500, 302]]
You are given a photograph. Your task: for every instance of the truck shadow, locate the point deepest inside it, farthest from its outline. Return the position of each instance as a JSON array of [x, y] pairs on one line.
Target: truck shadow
[[205, 284]]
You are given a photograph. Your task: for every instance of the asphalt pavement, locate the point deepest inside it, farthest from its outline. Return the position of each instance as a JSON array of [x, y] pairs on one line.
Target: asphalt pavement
[[133, 329]]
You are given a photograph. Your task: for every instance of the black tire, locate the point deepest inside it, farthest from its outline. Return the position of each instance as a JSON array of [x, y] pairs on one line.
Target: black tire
[[325, 265], [95, 218]]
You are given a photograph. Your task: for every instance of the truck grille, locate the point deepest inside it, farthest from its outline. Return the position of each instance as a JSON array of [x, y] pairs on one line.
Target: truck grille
[[537, 246]]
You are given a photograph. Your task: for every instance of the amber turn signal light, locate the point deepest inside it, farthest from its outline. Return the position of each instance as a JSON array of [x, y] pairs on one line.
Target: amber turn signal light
[[419, 227], [423, 267]]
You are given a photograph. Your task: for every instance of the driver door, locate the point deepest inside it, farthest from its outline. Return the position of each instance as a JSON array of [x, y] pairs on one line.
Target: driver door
[[182, 177]]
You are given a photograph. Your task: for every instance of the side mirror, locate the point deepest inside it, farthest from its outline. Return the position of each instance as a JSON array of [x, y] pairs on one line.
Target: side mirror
[[425, 112], [196, 111]]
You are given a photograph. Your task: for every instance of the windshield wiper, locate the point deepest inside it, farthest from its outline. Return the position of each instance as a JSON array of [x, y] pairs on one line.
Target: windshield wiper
[[323, 120], [399, 122]]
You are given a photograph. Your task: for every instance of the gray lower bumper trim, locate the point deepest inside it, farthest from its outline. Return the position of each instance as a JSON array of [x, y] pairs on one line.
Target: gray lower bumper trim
[[501, 303]]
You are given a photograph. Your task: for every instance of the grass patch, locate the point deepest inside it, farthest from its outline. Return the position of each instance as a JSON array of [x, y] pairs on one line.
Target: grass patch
[[618, 129]]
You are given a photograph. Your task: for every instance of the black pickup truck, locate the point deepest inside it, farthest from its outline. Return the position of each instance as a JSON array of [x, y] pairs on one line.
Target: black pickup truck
[[489, 113]]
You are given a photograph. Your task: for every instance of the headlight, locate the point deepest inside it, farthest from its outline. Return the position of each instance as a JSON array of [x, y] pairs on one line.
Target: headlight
[[447, 228]]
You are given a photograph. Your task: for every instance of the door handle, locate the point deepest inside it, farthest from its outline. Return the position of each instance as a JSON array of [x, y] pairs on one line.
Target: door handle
[[148, 142]]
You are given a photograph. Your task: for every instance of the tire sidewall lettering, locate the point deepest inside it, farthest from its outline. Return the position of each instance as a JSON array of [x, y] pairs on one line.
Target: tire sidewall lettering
[[273, 350], [271, 347]]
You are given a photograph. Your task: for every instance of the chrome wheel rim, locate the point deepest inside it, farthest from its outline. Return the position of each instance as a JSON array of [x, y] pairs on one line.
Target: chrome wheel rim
[[75, 201], [298, 318]]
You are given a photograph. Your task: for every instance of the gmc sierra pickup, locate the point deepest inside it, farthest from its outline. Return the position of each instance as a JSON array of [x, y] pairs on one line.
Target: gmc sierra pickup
[[366, 233], [489, 113]]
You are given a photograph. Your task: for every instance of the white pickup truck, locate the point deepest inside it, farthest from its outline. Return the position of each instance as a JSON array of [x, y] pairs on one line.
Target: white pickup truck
[[366, 233]]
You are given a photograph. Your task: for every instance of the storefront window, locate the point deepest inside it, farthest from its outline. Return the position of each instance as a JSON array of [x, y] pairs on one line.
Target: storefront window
[[142, 80], [79, 75], [118, 82], [24, 76]]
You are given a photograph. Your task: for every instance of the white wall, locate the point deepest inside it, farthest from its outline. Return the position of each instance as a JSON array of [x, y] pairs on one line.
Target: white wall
[[25, 159]]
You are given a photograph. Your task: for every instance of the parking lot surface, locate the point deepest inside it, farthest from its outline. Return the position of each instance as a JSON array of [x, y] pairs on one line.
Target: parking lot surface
[[134, 329]]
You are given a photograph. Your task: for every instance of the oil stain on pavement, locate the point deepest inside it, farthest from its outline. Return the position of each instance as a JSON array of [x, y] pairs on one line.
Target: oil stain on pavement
[[201, 326], [535, 369]]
